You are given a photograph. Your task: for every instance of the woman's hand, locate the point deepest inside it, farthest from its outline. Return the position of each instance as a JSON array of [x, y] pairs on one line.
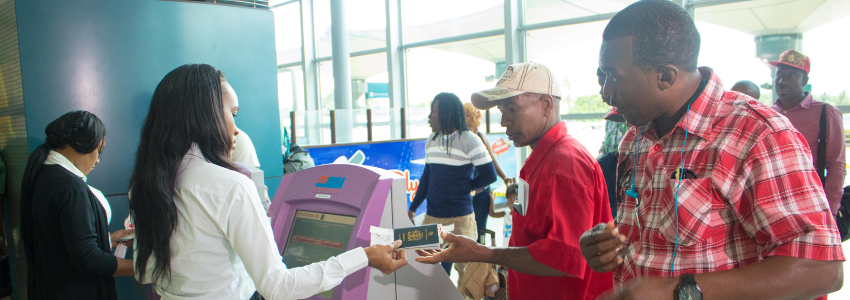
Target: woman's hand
[[509, 181], [119, 234], [385, 257]]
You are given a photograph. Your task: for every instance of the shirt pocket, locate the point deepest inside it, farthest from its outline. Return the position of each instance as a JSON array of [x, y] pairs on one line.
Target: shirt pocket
[[694, 209]]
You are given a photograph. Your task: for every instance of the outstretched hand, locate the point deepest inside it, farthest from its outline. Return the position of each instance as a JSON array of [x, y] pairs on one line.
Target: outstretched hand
[[385, 257], [462, 249]]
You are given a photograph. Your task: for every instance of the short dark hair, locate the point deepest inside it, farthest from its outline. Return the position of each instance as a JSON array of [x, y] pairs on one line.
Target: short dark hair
[[748, 84], [747, 87], [512, 189], [663, 33]]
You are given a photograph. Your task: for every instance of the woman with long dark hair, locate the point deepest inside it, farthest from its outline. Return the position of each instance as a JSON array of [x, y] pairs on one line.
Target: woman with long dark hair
[[63, 220], [201, 232], [453, 155]]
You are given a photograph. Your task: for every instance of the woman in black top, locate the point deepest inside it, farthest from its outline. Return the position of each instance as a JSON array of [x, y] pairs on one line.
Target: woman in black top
[[63, 224]]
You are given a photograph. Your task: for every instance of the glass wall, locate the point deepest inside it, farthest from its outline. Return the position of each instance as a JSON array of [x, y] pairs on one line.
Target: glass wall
[[366, 20], [434, 19], [822, 44], [733, 65], [369, 79], [290, 82], [572, 53], [326, 85], [459, 47], [287, 32], [540, 11], [461, 68]]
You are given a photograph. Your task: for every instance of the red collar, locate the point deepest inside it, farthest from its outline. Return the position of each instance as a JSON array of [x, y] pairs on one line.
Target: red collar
[[555, 134]]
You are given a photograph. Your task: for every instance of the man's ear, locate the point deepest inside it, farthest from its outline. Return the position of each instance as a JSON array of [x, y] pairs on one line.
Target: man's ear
[[547, 103], [805, 79], [667, 75]]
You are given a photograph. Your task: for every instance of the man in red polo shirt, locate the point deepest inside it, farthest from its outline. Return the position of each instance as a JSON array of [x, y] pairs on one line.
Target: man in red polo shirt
[[566, 195]]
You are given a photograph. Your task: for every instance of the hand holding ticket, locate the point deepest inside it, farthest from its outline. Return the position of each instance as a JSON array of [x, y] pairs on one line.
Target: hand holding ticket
[[128, 237], [416, 237]]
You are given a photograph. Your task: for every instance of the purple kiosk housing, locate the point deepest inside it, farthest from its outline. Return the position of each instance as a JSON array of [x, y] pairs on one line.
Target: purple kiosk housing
[[326, 210]]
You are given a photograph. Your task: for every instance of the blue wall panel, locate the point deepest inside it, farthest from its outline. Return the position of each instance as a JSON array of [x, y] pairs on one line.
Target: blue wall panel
[[272, 184], [127, 287], [108, 56]]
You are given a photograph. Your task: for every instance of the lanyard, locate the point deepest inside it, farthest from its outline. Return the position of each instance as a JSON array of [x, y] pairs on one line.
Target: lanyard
[[632, 192]]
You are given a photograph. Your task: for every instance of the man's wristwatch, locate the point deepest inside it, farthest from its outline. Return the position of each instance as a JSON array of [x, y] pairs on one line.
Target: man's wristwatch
[[687, 289]]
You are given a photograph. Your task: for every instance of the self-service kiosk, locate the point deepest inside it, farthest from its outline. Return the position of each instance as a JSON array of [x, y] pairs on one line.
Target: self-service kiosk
[[326, 210]]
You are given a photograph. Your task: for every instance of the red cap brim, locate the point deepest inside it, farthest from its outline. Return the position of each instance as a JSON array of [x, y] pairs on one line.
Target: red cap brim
[[776, 63]]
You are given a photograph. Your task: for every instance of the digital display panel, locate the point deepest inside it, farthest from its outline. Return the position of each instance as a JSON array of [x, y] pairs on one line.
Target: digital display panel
[[315, 237]]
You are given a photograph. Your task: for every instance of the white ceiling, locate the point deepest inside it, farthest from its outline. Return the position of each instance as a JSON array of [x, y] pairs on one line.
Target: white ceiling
[[761, 17]]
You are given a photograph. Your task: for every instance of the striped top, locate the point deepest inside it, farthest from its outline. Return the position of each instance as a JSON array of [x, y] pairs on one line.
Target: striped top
[[450, 163]]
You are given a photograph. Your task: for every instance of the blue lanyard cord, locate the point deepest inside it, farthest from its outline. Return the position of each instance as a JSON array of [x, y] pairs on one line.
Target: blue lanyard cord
[[678, 184], [631, 192]]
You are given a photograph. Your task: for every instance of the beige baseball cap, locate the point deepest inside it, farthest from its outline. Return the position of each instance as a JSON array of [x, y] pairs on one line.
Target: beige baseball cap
[[527, 77]]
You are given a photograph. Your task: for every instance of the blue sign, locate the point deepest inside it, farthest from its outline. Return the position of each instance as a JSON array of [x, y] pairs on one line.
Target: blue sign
[[330, 182], [377, 90], [407, 159]]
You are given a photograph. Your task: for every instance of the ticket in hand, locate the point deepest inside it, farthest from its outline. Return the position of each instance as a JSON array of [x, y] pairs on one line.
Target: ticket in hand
[[128, 237], [416, 237]]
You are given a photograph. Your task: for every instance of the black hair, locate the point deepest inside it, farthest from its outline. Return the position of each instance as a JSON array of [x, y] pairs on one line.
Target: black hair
[[749, 88], [80, 130], [451, 115], [663, 33], [748, 84], [450, 112], [512, 189], [186, 109]]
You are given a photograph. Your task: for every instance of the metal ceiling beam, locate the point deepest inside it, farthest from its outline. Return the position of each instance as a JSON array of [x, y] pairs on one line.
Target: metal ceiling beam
[[573, 21]]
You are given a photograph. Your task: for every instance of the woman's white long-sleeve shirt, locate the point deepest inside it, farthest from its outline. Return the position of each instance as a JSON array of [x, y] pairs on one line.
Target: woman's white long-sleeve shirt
[[223, 246]]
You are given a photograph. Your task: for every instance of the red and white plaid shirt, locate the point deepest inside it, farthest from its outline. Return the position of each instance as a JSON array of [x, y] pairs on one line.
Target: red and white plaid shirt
[[749, 191]]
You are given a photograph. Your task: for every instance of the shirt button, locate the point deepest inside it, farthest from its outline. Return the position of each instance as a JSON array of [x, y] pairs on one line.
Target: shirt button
[[657, 147]]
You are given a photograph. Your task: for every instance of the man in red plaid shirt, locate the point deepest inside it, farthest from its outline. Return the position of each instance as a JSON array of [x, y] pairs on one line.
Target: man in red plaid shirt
[[718, 196]]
